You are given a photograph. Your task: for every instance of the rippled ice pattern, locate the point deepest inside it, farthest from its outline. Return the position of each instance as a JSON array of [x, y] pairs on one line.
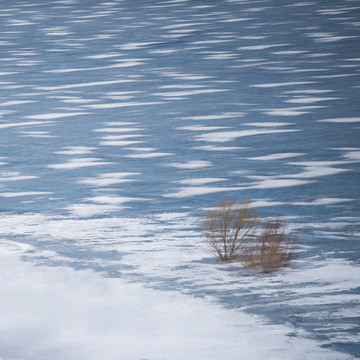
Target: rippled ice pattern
[[122, 122]]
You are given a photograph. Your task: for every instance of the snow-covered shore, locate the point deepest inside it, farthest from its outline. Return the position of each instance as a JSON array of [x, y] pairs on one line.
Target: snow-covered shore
[[59, 313]]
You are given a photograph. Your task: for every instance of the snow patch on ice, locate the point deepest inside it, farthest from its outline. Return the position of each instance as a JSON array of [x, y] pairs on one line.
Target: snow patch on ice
[[76, 150], [51, 116], [109, 179], [199, 190], [200, 181], [225, 136], [280, 84], [79, 163], [23, 193], [218, 148], [278, 156], [192, 164], [342, 120], [148, 155], [90, 210], [26, 123]]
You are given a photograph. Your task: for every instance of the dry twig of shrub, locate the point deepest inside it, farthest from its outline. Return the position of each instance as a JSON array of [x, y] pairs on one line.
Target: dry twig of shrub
[[229, 229], [272, 250]]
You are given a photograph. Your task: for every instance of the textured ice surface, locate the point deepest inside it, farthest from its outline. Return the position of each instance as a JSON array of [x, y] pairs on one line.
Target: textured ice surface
[[122, 123]]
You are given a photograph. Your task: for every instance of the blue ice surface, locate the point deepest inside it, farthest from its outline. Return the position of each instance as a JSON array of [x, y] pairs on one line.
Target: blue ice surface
[[191, 78]]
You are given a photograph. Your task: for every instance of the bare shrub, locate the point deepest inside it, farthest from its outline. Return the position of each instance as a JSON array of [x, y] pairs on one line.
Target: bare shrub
[[271, 250], [230, 228]]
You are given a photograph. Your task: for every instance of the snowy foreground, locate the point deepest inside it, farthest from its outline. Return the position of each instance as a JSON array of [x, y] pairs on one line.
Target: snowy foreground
[[59, 313]]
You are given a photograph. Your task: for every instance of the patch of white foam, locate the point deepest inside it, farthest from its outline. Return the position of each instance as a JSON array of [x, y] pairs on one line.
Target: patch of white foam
[[192, 164]]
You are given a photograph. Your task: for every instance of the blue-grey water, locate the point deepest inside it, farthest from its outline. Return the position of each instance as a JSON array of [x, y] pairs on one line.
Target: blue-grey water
[[138, 109]]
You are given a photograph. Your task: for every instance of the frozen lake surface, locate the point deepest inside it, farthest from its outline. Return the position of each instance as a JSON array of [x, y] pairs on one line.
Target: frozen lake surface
[[123, 122]]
